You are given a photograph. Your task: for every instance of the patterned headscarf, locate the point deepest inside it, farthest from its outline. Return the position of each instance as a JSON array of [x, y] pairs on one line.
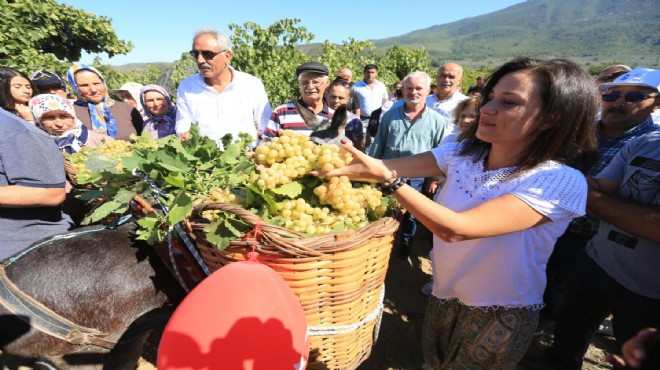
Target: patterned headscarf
[[70, 141], [163, 125], [102, 119]]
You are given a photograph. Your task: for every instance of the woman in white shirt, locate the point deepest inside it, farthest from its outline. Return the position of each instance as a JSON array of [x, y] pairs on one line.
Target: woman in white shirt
[[509, 194]]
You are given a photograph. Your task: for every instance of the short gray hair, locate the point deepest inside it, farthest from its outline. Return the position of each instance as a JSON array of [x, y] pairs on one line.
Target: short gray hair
[[420, 75], [221, 37]]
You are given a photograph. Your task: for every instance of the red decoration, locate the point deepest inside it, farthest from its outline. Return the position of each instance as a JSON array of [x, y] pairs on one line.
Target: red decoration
[[243, 316]]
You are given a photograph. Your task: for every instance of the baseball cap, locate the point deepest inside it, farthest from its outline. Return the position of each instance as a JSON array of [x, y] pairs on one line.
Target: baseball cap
[[639, 76], [313, 67], [45, 78]]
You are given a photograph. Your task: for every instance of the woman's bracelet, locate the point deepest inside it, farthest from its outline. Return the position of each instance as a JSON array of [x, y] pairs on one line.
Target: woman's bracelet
[[392, 184]]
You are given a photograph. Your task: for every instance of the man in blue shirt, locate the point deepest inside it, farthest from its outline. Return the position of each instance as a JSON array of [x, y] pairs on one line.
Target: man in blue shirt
[[31, 185]]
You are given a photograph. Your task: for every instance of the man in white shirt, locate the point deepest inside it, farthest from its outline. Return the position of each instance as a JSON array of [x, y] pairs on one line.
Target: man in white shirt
[[448, 78], [219, 99], [372, 94]]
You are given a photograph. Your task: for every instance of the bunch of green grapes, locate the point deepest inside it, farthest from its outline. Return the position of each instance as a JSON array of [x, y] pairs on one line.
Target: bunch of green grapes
[[340, 205], [111, 152], [291, 156], [114, 150], [300, 216], [219, 195], [354, 202]]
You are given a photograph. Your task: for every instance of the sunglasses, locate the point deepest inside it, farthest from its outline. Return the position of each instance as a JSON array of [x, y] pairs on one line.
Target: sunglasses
[[206, 54], [632, 97]]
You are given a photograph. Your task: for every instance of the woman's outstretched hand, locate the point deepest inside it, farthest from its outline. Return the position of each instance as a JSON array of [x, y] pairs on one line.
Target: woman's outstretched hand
[[361, 168]]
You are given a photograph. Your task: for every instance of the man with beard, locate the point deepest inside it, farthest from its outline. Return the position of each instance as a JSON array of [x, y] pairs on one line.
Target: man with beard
[[448, 78], [627, 105], [308, 113], [219, 99]]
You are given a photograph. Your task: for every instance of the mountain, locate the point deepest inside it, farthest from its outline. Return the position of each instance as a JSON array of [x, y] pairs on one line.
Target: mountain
[[586, 31]]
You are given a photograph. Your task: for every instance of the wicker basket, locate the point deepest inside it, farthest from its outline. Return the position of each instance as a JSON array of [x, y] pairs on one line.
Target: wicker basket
[[70, 172], [337, 278]]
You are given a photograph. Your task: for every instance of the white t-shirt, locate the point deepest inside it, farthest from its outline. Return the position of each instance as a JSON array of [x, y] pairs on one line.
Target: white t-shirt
[[235, 110], [371, 98], [506, 270]]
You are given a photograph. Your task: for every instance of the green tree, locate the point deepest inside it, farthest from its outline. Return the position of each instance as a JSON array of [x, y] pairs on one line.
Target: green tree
[[352, 54], [398, 61], [271, 55], [183, 68], [42, 34]]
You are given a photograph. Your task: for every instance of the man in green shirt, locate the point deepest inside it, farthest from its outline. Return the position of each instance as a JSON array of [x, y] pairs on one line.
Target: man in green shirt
[[409, 128]]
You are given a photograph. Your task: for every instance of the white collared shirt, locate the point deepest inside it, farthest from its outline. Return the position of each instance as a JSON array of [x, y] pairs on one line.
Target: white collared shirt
[[237, 109]]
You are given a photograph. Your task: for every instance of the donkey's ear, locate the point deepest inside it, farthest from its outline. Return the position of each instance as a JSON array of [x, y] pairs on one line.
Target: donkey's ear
[[340, 117]]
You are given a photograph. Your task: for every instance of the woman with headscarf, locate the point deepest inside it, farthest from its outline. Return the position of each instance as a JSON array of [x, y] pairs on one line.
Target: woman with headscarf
[[160, 111], [57, 117], [96, 110], [130, 93]]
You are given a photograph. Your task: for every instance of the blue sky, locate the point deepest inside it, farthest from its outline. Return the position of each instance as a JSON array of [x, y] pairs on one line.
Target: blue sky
[[162, 30]]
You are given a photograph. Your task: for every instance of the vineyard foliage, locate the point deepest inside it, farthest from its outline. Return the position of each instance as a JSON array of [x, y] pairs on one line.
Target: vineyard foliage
[[48, 35]]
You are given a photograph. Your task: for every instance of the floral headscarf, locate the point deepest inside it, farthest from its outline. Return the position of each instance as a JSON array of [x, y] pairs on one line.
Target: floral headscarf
[[102, 119], [163, 125], [70, 141]]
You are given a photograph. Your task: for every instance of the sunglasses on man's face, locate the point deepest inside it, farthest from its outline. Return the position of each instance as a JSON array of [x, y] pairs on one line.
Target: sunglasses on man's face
[[631, 97], [206, 54]]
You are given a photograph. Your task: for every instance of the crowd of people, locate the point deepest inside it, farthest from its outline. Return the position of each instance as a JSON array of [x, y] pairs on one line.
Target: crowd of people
[[540, 185]]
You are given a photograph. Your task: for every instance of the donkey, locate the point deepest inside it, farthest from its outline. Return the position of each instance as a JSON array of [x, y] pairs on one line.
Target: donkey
[[101, 294]]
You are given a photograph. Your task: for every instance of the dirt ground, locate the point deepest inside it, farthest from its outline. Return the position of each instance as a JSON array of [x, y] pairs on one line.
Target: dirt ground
[[398, 346]]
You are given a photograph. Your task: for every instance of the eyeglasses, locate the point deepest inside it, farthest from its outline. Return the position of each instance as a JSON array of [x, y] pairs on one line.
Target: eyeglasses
[[206, 54], [468, 116], [315, 83], [631, 97]]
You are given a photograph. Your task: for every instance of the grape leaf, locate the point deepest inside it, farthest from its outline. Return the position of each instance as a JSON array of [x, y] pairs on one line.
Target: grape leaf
[[176, 179], [102, 211], [89, 194], [290, 190], [181, 206]]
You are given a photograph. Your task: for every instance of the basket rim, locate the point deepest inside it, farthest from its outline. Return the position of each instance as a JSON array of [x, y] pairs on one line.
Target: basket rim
[[277, 238]]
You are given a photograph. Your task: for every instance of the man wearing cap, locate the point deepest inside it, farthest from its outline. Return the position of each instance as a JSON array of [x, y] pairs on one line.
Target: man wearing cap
[[220, 99], [49, 83], [620, 271], [309, 112], [621, 121]]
